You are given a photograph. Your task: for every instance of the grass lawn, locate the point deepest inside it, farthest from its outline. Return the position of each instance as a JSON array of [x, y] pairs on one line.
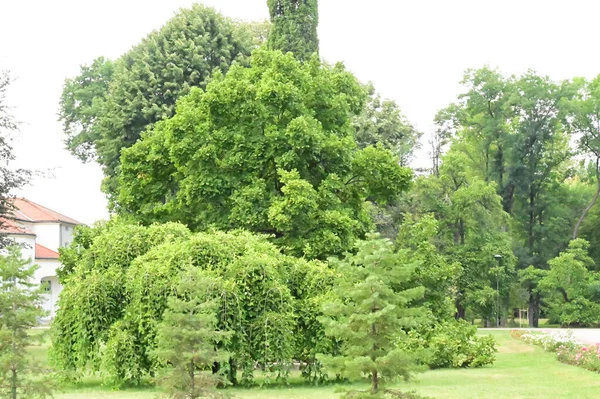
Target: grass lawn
[[521, 371]]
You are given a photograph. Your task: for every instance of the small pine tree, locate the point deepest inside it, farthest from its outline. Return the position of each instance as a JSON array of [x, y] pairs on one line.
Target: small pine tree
[[19, 312], [187, 340], [371, 307]]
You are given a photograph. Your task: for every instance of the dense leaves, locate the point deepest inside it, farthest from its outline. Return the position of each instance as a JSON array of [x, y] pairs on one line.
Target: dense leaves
[[116, 295], [109, 105], [269, 148]]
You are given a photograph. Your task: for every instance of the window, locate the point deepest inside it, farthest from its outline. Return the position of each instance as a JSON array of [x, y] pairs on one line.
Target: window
[[46, 286]]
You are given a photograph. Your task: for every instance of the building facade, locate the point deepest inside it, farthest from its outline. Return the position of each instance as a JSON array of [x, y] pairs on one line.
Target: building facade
[[41, 232]]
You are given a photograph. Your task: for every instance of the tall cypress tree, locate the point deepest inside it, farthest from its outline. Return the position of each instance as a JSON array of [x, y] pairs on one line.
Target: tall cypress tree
[[294, 27]]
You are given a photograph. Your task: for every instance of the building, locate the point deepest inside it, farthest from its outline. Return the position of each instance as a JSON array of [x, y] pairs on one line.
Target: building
[[42, 232]]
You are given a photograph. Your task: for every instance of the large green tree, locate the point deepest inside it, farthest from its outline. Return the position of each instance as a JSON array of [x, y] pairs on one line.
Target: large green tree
[[512, 132], [584, 112], [108, 106], [270, 148], [294, 27]]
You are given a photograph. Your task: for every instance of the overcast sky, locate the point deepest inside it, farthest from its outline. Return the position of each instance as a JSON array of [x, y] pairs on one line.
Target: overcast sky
[[415, 52]]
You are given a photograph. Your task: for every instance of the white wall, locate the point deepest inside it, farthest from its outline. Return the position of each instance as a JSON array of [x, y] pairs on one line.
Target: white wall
[[48, 235], [28, 249], [47, 272], [66, 234]]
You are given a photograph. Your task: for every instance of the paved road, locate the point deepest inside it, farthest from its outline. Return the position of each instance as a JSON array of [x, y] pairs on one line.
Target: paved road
[[583, 335]]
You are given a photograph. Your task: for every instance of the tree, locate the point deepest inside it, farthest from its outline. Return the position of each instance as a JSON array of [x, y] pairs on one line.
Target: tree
[[584, 110], [539, 157], [470, 232], [294, 27], [569, 286], [188, 339], [20, 301], [382, 122], [10, 178], [373, 303], [268, 148], [122, 277], [109, 105]]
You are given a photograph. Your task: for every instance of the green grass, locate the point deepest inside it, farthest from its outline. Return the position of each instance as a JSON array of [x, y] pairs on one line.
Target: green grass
[[521, 371]]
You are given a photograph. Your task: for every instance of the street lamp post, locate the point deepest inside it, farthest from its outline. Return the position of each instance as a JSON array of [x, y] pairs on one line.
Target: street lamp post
[[499, 259]]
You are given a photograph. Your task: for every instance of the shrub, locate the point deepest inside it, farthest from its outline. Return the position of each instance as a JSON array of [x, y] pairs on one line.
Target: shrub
[[451, 344]]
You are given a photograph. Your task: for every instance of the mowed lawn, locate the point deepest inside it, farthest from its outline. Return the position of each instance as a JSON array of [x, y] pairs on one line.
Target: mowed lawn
[[521, 371]]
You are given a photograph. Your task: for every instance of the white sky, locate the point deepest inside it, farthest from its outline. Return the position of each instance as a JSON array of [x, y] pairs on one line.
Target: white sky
[[414, 51]]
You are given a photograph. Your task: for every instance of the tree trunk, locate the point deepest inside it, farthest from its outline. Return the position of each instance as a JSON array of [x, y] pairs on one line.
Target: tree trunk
[[13, 384], [460, 310], [592, 202], [193, 381], [530, 227], [375, 377], [375, 388], [533, 311], [232, 372]]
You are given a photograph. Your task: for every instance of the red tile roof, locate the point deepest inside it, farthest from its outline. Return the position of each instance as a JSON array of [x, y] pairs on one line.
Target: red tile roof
[[11, 227], [41, 252], [29, 211]]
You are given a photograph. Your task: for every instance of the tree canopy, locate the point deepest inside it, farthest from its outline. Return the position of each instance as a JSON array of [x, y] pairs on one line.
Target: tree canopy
[[269, 148], [109, 105]]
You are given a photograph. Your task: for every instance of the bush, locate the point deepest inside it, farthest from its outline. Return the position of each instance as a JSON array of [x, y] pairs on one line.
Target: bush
[[451, 344]]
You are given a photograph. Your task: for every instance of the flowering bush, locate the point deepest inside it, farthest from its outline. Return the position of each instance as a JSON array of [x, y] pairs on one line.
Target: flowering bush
[[584, 356], [551, 341], [567, 349]]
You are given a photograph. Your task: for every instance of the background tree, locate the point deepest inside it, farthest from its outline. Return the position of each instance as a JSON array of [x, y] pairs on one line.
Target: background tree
[[109, 105], [10, 178], [382, 122], [584, 112], [188, 340], [20, 301], [571, 285], [294, 27], [373, 303], [269, 148]]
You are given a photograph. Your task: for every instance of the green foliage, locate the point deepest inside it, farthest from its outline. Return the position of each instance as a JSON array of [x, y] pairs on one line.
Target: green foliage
[[373, 303], [187, 339], [115, 299], [94, 296], [20, 301], [268, 148], [435, 273], [568, 285], [109, 105], [451, 344], [382, 122], [294, 27]]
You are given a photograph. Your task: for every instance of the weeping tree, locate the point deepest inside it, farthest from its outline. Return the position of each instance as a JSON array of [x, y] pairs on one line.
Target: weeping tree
[[122, 281], [294, 27]]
